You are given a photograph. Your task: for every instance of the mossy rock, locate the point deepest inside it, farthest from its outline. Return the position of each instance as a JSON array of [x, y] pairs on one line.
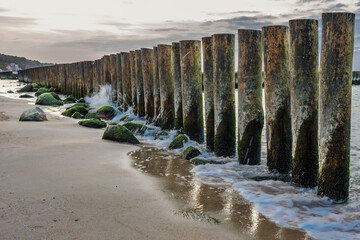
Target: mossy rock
[[52, 89], [34, 89], [199, 161], [91, 115], [55, 96], [72, 110], [78, 105], [162, 134], [48, 99], [191, 152], [178, 142], [77, 115], [41, 91], [70, 99], [33, 114], [136, 128], [26, 88], [35, 85], [92, 123], [119, 133], [113, 124], [25, 96], [123, 118], [81, 100], [106, 112], [10, 91]]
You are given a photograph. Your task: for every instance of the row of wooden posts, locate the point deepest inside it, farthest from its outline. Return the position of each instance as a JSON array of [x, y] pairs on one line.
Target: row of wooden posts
[[164, 84]]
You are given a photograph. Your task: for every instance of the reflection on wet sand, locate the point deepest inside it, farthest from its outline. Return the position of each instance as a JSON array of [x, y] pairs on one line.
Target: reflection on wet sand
[[221, 202]]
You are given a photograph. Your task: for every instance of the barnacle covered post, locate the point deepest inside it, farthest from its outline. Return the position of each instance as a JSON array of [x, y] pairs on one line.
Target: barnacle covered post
[[139, 84], [224, 94], [119, 81], [157, 104], [113, 77], [191, 80], [133, 81], [207, 51], [277, 97], [337, 48], [304, 92], [126, 80], [175, 61], [166, 87], [148, 79], [250, 110]]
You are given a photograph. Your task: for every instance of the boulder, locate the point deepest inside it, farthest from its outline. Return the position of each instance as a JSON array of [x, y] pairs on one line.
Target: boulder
[[52, 89], [92, 123], [77, 115], [35, 85], [70, 99], [48, 99], [178, 142], [106, 112], [136, 128], [191, 152], [162, 134], [33, 114], [55, 96], [199, 161], [26, 88], [113, 124], [78, 105], [81, 100], [119, 133], [72, 110], [41, 91], [123, 118], [10, 91], [25, 96], [91, 115]]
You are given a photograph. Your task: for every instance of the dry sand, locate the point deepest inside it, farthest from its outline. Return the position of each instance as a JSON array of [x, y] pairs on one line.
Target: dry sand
[[59, 180]]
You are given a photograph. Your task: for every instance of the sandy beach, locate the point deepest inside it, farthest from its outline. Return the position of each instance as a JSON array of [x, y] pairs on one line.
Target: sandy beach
[[59, 180]]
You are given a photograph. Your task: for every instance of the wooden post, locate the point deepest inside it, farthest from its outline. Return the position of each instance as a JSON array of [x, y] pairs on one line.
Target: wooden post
[[175, 61], [277, 97], [224, 94], [148, 80], [133, 81], [191, 80], [157, 104], [139, 84], [337, 48], [113, 78], [250, 110], [207, 49], [304, 91], [106, 70], [119, 81], [126, 79], [166, 87]]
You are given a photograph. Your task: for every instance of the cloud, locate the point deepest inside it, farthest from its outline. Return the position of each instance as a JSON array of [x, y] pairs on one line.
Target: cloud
[[8, 22]]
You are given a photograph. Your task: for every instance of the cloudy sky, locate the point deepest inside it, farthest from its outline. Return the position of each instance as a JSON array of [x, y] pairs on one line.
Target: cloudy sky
[[61, 31]]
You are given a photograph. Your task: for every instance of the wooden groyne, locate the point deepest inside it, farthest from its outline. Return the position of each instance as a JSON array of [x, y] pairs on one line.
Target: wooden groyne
[[165, 85]]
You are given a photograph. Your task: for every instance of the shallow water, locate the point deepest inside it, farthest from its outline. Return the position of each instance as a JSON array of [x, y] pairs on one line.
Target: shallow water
[[262, 209]]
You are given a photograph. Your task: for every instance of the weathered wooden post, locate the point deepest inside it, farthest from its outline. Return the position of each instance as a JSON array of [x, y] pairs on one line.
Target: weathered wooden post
[[250, 110], [175, 61], [207, 49], [148, 80], [166, 87], [126, 79], [304, 92], [119, 81], [96, 77], [224, 94], [139, 84], [191, 80], [277, 97], [337, 48], [133, 81], [106, 70], [157, 104], [113, 77]]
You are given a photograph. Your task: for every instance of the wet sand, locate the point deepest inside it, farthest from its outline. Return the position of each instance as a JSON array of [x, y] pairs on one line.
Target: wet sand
[[59, 180]]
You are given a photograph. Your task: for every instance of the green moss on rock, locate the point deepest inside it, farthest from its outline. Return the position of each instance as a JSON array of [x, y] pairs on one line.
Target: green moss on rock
[[161, 134], [41, 91], [72, 110], [91, 115], [106, 112], [136, 128], [77, 115], [48, 99], [123, 118], [70, 99], [81, 100], [55, 96], [26, 88], [119, 133], [178, 142], [191, 152], [35, 85], [10, 91], [52, 89], [113, 124], [199, 161], [92, 123], [25, 96], [78, 105]]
